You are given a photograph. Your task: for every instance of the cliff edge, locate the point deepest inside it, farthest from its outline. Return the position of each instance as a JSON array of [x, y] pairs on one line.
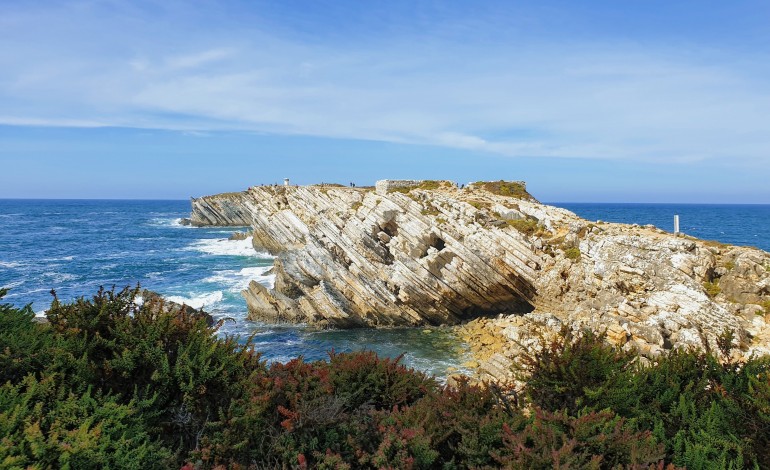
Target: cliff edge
[[429, 253]]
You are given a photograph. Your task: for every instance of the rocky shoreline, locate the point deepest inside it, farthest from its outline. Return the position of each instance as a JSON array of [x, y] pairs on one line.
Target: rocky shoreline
[[488, 255]]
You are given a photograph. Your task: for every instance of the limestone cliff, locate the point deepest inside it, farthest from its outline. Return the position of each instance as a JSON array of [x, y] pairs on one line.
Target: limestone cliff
[[416, 253]]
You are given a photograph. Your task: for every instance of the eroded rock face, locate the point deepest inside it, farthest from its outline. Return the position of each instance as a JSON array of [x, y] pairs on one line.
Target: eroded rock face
[[430, 253]]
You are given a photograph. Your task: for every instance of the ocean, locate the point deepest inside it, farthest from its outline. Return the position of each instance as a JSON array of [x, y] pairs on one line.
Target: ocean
[[75, 246]]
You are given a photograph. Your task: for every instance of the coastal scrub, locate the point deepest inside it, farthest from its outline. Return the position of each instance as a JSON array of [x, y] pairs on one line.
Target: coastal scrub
[[108, 383]]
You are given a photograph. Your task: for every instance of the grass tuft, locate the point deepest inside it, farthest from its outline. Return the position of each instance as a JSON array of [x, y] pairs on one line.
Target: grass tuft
[[526, 226], [572, 253], [712, 288]]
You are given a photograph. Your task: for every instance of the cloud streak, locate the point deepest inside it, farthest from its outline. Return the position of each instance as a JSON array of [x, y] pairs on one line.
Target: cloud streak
[[511, 95]]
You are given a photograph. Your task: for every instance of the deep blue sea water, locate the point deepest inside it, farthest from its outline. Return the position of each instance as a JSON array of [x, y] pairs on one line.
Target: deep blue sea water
[[75, 246]]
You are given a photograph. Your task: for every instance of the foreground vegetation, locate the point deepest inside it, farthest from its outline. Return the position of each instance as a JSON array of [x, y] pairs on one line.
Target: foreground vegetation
[[107, 384]]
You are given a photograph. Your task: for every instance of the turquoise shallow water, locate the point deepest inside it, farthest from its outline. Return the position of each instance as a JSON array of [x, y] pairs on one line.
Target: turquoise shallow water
[[75, 246]]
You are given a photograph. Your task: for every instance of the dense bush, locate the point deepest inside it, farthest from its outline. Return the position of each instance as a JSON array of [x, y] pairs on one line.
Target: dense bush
[[708, 413], [109, 384], [164, 375]]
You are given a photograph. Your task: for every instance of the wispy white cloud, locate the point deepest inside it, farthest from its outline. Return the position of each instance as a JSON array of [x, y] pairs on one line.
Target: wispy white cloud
[[549, 98], [191, 61]]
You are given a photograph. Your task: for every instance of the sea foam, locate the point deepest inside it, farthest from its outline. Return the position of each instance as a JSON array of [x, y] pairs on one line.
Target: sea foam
[[225, 247], [175, 222], [12, 284], [235, 280], [198, 301]]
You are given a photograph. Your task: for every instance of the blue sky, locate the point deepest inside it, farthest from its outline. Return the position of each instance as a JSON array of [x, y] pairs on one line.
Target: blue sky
[[634, 101]]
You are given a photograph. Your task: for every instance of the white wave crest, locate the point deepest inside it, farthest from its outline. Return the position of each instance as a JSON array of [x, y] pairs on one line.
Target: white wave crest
[[225, 247], [12, 285], [175, 222], [235, 280], [198, 301], [10, 264], [60, 258], [60, 277]]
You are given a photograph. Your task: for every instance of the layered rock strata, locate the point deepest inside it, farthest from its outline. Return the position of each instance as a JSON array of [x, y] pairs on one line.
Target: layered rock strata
[[430, 253]]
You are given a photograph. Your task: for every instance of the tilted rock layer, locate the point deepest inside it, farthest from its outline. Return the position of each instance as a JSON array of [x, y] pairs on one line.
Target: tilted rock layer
[[429, 253]]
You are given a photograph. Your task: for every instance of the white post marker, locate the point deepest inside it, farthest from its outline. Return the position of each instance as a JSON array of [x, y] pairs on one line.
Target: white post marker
[[676, 224], [286, 181]]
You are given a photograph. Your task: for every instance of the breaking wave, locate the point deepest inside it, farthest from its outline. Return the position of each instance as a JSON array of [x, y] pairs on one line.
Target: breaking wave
[[225, 247], [198, 301]]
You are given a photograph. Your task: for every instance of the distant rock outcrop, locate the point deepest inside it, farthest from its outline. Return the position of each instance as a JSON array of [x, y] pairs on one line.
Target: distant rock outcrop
[[429, 253]]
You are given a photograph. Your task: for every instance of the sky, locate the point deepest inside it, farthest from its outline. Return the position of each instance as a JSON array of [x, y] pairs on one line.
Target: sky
[[590, 101]]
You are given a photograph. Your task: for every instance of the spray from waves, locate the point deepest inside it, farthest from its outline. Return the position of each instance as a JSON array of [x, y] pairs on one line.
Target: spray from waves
[[198, 301], [225, 247], [236, 280], [168, 222]]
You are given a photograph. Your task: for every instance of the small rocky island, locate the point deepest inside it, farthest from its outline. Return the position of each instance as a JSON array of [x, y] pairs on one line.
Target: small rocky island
[[489, 256]]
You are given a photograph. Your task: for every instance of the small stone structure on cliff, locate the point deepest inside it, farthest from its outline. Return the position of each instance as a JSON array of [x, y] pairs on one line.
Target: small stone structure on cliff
[[429, 253], [385, 186]]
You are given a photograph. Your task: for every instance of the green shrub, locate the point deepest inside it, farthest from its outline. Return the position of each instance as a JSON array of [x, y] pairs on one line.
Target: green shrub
[[167, 367], [430, 210], [402, 189], [430, 185], [480, 204], [706, 413], [573, 371], [572, 253], [528, 226], [53, 415], [111, 385], [43, 425], [596, 439], [463, 423], [364, 379], [712, 288], [25, 346]]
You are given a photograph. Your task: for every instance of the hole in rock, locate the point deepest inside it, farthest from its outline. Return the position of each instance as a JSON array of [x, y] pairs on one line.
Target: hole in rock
[[434, 242], [390, 228]]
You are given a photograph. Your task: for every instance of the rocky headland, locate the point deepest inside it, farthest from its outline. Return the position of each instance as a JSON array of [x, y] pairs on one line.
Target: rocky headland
[[490, 257]]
